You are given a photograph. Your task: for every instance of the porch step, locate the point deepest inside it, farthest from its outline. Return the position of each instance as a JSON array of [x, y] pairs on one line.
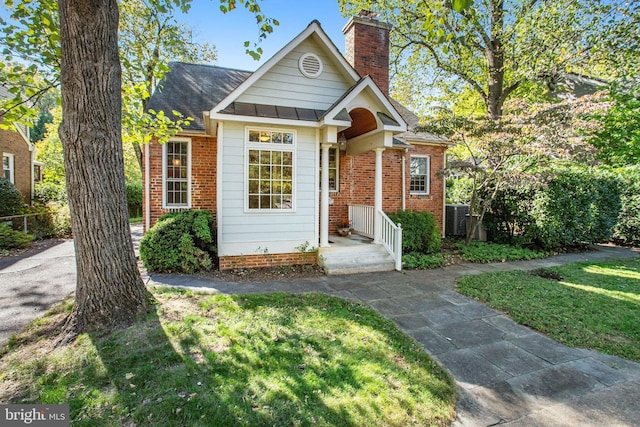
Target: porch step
[[360, 258]]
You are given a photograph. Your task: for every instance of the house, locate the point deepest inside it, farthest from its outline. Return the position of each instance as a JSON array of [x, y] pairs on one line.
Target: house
[[18, 156], [285, 154]]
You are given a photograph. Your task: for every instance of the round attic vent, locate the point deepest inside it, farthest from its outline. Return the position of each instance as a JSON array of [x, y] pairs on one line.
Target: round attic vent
[[310, 65]]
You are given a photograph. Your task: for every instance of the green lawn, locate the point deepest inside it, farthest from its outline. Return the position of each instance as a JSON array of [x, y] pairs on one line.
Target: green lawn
[[258, 360], [593, 305]]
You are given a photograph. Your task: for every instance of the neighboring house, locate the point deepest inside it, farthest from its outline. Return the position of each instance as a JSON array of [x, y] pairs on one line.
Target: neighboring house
[[17, 156], [284, 155]]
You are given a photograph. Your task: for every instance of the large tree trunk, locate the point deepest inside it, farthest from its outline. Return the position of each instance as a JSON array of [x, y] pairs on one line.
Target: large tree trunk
[[109, 292], [495, 61]]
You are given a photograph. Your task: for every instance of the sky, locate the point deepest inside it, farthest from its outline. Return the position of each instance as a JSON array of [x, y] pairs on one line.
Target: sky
[[228, 32]]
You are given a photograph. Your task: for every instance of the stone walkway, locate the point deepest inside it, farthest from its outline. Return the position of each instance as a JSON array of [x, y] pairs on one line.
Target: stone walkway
[[506, 374]]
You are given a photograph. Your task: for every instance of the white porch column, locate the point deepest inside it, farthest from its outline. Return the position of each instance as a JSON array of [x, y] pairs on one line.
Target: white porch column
[[377, 200], [324, 197]]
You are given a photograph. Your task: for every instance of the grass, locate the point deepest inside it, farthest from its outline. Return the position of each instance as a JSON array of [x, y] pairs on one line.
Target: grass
[[257, 360], [419, 261], [593, 305], [135, 220], [483, 252]]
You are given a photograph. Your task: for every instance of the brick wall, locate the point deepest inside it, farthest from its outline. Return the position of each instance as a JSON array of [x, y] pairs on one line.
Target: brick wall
[[13, 143], [203, 176], [267, 260], [357, 181]]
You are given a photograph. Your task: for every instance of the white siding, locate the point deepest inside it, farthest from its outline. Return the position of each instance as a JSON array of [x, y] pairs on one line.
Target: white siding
[[285, 85], [249, 233]]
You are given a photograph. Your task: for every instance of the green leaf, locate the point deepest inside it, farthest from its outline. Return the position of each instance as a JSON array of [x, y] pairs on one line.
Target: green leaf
[[460, 5]]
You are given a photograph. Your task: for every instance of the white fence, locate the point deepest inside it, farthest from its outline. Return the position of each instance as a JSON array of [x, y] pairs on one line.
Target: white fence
[[390, 236], [362, 221]]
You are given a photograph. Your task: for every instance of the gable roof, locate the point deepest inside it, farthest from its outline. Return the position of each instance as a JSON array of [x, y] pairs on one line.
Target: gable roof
[[192, 89], [314, 29]]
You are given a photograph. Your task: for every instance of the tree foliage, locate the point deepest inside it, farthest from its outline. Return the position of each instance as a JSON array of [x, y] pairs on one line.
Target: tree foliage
[[618, 137], [493, 47], [494, 154]]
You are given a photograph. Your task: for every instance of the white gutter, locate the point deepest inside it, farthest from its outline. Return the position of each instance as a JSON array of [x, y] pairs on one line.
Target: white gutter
[[404, 182], [444, 194]]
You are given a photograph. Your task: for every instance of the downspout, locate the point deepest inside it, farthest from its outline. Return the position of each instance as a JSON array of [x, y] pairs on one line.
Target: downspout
[[444, 192], [404, 181], [147, 187]]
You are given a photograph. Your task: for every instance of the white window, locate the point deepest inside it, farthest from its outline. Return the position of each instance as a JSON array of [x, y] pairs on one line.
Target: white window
[[334, 183], [420, 166], [270, 169], [176, 173], [7, 167]]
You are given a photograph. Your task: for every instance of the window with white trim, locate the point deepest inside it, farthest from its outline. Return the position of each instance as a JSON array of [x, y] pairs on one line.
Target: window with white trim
[[270, 169], [176, 173], [419, 183], [8, 167], [334, 158]]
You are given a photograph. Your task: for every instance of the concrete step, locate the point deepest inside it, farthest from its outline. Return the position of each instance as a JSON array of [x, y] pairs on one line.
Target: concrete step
[[365, 258]]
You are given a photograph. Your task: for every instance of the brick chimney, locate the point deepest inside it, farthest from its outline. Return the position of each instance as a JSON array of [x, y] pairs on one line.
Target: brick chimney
[[367, 47]]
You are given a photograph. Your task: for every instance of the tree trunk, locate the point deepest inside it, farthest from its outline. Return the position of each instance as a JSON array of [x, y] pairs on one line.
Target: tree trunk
[[109, 291], [495, 61]]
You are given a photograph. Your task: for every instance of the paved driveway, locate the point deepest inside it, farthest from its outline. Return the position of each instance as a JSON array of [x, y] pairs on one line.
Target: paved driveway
[[30, 285]]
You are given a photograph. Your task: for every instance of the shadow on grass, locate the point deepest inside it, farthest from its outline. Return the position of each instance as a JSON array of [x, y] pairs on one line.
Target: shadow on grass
[[192, 363]]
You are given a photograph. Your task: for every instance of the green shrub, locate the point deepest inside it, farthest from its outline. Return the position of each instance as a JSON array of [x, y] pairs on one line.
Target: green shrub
[[627, 230], [11, 202], [134, 198], [54, 220], [483, 252], [50, 192], [420, 232], [571, 207], [13, 239], [418, 261], [180, 242]]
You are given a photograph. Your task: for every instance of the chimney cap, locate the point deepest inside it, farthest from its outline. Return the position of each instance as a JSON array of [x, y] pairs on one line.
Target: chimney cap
[[369, 14]]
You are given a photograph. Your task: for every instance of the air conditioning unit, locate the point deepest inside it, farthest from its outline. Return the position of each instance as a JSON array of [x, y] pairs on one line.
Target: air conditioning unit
[[456, 220]]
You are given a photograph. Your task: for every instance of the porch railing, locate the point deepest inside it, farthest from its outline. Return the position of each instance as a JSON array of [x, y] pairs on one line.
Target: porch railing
[[390, 236], [361, 218]]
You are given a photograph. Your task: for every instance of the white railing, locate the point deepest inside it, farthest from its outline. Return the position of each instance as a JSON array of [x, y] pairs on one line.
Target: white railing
[[361, 219], [390, 235]]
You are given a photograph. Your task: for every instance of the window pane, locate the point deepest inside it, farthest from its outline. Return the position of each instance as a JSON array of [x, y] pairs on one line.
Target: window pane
[[270, 172], [176, 173], [419, 182], [254, 156]]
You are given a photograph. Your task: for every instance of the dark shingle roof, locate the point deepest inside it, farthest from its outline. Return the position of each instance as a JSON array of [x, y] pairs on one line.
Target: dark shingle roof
[[192, 88]]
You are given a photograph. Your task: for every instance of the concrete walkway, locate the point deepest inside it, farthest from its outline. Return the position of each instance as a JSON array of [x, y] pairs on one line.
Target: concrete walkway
[[506, 374]]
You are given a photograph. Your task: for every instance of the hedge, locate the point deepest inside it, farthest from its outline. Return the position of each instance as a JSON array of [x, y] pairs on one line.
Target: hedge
[[627, 230], [420, 232], [572, 207]]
